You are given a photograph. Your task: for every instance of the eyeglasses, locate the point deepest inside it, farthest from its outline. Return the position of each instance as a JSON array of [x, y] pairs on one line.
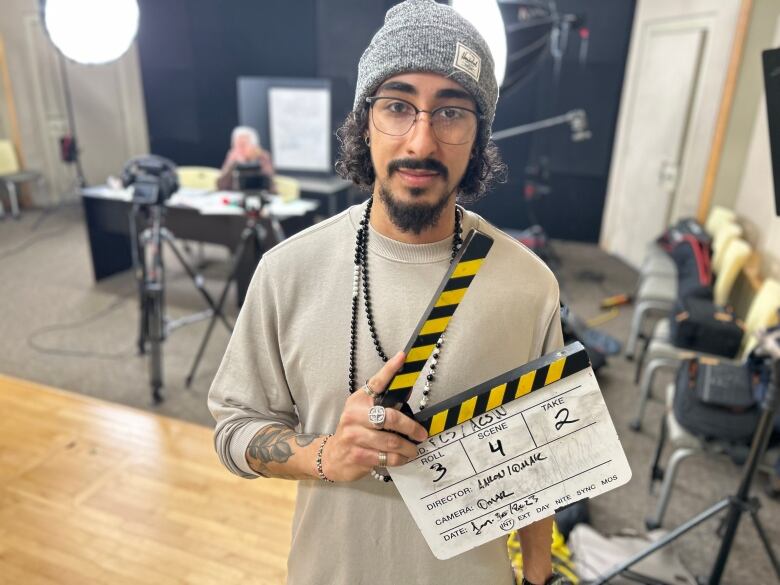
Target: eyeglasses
[[451, 124]]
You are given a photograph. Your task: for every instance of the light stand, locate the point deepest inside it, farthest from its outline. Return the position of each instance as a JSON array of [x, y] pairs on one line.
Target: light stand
[[741, 501], [80, 181], [578, 124]]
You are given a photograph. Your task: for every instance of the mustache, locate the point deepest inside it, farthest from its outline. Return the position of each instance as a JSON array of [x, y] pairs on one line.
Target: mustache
[[413, 164]]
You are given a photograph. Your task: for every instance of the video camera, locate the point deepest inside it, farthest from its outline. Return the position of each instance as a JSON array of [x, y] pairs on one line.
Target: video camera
[[153, 178], [250, 177]]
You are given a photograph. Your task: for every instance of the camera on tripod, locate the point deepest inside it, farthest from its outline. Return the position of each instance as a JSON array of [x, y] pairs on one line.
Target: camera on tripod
[[153, 179], [249, 177]]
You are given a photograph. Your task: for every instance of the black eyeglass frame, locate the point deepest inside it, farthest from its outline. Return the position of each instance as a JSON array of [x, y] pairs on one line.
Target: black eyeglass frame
[[371, 100]]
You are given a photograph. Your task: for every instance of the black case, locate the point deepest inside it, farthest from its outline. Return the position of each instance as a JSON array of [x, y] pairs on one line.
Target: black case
[[701, 325], [713, 421]]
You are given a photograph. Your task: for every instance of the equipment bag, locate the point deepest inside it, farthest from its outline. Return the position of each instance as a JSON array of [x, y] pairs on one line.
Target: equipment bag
[[701, 325], [694, 274], [713, 400], [686, 226], [690, 246]]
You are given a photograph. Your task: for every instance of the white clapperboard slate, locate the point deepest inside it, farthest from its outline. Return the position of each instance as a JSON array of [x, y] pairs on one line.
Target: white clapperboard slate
[[510, 451], [488, 470]]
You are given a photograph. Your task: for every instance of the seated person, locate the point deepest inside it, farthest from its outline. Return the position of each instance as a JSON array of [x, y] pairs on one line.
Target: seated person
[[244, 149]]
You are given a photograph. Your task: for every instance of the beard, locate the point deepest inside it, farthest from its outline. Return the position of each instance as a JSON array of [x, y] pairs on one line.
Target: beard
[[413, 216]]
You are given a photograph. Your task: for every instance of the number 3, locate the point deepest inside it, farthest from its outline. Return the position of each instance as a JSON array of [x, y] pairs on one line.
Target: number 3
[[438, 467]]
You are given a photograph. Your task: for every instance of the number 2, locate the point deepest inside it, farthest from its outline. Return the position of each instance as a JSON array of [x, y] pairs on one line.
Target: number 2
[[565, 420]]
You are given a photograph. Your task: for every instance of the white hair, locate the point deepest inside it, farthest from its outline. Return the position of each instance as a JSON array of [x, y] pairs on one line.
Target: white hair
[[254, 138]]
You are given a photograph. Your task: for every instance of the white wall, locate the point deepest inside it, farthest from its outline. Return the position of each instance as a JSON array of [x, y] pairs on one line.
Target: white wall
[[107, 99], [755, 200], [747, 96]]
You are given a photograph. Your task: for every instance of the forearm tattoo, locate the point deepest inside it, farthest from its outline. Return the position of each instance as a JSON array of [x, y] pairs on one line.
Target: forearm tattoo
[[272, 445]]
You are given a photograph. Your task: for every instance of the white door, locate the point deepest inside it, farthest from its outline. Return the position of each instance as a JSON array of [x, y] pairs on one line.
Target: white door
[[677, 65]]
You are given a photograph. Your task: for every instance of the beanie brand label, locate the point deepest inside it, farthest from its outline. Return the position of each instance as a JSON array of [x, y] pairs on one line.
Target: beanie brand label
[[467, 61]]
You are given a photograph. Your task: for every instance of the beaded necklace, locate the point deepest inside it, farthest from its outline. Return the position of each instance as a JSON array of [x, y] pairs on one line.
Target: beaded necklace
[[361, 275]]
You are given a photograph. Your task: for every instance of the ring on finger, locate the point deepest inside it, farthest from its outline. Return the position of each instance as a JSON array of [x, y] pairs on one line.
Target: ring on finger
[[367, 389], [382, 459], [377, 416]]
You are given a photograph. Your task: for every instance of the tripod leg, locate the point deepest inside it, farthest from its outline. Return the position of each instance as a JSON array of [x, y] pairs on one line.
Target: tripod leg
[[662, 542], [237, 255], [157, 335], [154, 285], [137, 244], [196, 279], [765, 541]]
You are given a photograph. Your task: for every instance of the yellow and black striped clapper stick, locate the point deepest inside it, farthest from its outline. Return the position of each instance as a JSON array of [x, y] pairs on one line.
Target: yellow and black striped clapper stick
[[448, 296], [509, 386]]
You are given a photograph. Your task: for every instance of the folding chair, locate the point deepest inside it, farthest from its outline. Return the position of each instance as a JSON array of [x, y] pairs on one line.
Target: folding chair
[[725, 232], [12, 175], [662, 354], [198, 177], [685, 445], [656, 289]]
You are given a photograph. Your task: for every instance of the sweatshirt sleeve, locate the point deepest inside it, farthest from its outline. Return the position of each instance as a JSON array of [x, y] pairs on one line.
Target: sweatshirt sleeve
[[250, 390], [553, 338]]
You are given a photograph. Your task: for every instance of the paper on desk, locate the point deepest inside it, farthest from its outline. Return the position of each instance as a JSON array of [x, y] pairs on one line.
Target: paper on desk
[[297, 207]]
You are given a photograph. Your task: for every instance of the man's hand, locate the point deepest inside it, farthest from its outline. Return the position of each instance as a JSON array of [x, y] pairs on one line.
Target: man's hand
[[354, 448]]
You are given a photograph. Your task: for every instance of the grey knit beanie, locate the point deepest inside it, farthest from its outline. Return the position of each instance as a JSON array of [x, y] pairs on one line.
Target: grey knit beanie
[[421, 35]]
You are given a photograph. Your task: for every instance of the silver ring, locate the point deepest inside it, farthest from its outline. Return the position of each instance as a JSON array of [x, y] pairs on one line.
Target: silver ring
[[382, 459], [376, 416], [367, 389]]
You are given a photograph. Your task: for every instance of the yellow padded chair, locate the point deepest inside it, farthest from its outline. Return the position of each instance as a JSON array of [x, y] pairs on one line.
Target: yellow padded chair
[[287, 188], [762, 312], [721, 239], [733, 260], [198, 177], [11, 175], [717, 216]]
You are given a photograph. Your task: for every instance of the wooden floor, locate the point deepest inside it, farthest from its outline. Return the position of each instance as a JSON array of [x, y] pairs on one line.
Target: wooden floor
[[92, 492]]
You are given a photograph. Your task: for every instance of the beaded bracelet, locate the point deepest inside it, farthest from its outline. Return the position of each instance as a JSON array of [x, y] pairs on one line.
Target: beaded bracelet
[[321, 473]]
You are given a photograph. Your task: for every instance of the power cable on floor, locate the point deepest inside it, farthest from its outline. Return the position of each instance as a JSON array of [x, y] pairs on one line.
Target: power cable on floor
[[31, 339], [31, 241]]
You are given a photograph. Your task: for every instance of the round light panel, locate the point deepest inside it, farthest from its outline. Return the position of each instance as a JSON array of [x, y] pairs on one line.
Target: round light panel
[[486, 18], [91, 31]]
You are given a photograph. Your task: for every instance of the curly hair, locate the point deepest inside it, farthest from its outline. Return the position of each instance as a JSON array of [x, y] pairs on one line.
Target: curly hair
[[354, 163]]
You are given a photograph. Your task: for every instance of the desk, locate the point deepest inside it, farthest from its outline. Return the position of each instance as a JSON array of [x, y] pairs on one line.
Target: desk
[[107, 215], [328, 189]]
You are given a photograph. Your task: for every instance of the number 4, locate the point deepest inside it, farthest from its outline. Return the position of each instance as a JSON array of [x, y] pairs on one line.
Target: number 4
[[498, 447]]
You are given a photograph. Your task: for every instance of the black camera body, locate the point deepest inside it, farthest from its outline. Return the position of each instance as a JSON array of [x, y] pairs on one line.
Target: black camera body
[[152, 177], [250, 177]]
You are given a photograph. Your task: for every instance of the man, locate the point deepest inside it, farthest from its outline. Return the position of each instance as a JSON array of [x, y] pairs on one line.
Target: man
[[244, 149], [285, 396]]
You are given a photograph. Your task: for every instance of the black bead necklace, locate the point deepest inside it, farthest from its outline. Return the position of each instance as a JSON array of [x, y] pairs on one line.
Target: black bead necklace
[[361, 273]]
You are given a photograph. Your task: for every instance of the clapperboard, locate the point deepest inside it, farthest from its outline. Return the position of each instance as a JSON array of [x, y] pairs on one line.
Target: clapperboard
[[513, 449]]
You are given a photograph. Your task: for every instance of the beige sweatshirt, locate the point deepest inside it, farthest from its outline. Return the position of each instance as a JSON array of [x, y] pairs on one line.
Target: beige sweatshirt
[[287, 362]]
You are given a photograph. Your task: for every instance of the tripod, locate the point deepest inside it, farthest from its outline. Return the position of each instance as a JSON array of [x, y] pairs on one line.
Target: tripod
[[741, 501], [147, 252], [255, 233]]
